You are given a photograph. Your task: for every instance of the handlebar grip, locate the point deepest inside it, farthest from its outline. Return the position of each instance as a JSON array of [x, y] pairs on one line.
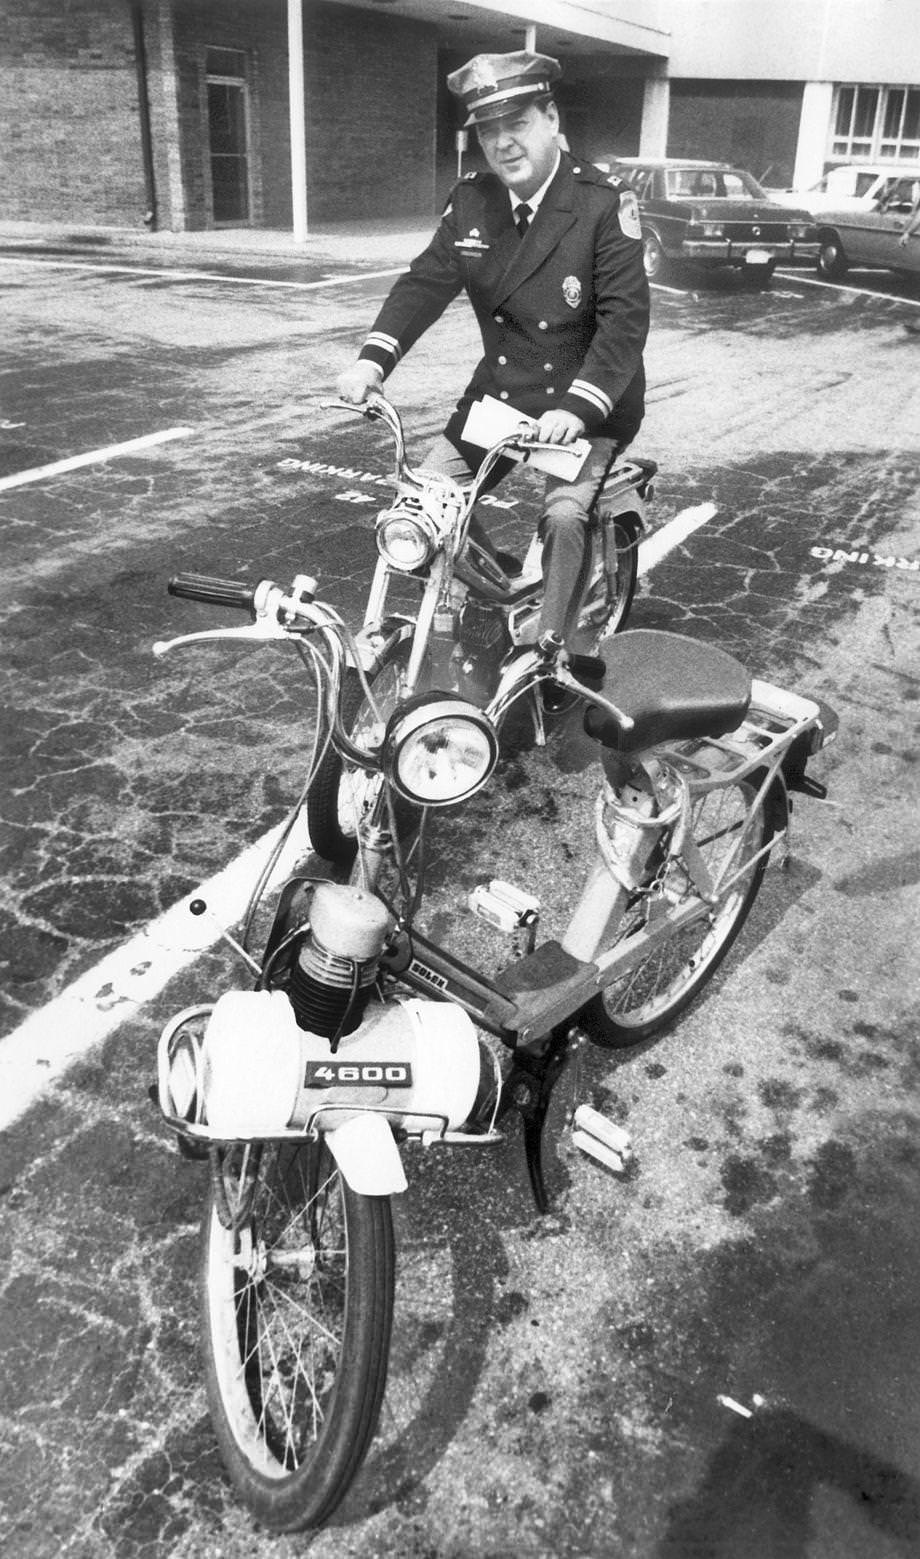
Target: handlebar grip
[[216, 592]]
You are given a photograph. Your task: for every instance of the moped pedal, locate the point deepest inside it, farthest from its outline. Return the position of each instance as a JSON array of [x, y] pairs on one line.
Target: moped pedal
[[602, 1140]]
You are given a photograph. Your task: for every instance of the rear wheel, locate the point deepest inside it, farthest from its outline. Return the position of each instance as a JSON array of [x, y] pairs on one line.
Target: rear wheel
[[297, 1283], [341, 796], [662, 982], [657, 265], [832, 261]]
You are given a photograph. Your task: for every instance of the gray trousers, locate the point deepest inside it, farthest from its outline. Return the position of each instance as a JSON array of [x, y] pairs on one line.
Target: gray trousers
[[563, 527]]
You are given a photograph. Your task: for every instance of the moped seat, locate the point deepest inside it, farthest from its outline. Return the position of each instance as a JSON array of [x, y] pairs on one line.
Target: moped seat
[[672, 688]]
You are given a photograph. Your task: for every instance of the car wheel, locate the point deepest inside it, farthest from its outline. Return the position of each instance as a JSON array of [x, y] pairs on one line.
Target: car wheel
[[832, 261], [654, 258]]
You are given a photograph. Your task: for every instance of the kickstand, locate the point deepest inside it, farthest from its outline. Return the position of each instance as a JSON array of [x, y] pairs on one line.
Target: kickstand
[[528, 1089]]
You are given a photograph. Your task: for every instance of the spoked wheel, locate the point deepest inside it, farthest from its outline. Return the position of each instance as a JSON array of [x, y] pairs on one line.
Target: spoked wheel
[[662, 983], [613, 584], [297, 1284], [341, 796]]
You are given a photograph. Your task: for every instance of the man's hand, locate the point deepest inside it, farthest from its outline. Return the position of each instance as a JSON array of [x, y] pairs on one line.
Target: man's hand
[[559, 427], [356, 383]]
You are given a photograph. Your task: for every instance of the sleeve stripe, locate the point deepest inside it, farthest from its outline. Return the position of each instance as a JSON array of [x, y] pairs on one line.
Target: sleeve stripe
[[383, 343], [590, 392]]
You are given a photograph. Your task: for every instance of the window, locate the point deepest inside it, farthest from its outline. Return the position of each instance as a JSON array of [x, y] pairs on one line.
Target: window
[[876, 123]]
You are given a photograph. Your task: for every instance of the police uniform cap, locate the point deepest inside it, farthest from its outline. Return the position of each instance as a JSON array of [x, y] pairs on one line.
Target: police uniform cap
[[494, 86]]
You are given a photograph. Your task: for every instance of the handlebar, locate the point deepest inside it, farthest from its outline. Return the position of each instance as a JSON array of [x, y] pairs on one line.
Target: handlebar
[[215, 592]]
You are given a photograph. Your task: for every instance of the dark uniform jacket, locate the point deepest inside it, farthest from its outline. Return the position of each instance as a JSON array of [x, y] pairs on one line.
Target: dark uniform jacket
[[563, 311]]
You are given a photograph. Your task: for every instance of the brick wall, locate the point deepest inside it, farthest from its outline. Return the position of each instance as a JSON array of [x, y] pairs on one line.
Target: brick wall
[[70, 122], [372, 89], [753, 124], [69, 118]]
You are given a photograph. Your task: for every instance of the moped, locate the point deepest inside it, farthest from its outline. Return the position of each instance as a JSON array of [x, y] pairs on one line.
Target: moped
[[355, 1034], [471, 609]]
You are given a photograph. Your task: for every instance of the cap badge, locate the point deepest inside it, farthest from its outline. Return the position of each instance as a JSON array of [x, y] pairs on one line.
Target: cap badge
[[571, 291]]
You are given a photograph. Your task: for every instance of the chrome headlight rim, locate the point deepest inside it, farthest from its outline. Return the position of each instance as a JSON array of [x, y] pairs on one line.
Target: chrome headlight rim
[[414, 524], [430, 722]]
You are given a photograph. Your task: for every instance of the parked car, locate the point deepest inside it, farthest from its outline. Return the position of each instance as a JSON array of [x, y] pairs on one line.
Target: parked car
[[851, 187], [712, 214], [872, 238]]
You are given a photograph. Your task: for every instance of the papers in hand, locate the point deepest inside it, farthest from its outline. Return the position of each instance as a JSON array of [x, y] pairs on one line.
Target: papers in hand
[[490, 420]]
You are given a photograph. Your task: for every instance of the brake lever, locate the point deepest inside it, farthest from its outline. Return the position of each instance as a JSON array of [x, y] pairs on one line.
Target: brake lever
[[263, 630]]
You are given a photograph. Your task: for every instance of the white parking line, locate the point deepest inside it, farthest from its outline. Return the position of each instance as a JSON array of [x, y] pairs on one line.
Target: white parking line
[[50, 1040], [93, 458], [234, 281], [861, 292], [663, 541]]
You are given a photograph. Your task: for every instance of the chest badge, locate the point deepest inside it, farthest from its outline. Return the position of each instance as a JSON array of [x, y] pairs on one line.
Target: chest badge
[[571, 291]]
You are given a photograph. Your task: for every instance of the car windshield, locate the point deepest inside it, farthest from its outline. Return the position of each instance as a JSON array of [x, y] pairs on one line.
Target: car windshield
[[712, 184]]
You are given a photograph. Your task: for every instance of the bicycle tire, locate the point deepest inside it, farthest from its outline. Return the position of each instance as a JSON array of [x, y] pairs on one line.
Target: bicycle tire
[[607, 603], [655, 991], [341, 795], [297, 1307]]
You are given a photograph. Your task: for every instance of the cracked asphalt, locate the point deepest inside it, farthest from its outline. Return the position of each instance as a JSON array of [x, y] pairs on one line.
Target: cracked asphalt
[[555, 1383]]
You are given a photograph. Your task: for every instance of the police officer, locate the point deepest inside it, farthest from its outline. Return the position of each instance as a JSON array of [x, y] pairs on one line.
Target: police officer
[[548, 249]]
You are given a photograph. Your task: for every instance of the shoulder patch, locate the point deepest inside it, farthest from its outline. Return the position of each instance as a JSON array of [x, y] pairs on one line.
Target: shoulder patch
[[628, 213]]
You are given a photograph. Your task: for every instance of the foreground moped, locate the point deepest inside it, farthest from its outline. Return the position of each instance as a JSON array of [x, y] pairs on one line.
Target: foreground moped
[[359, 1034]]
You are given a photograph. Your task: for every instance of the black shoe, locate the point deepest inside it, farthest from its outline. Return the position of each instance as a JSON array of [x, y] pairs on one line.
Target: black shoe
[[510, 565], [557, 699]]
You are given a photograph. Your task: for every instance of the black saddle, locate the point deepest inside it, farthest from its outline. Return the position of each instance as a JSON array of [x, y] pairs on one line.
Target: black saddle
[[673, 688]]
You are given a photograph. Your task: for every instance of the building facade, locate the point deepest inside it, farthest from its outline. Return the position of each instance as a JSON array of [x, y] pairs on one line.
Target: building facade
[[189, 114]]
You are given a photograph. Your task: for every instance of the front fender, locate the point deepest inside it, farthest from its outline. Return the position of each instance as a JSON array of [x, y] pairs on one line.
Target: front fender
[[367, 1156]]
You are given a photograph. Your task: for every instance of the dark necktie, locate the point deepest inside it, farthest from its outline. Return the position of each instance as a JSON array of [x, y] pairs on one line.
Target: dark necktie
[[522, 218]]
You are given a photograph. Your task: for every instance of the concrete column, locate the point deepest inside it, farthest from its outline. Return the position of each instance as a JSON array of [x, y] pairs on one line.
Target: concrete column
[[164, 106], [656, 106], [298, 119], [811, 148]]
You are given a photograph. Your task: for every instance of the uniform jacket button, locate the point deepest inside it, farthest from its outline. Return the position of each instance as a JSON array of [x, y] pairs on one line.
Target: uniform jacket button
[[543, 325], [503, 395], [503, 360], [499, 319], [547, 367], [550, 390]]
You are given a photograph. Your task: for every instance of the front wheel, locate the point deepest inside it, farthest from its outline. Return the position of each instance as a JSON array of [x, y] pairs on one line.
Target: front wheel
[[728, 832], [832, 261], [341, 796], [297, 1283]]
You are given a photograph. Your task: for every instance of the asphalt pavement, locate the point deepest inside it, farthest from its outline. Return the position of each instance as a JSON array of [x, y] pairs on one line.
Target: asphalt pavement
[[717, 1356]]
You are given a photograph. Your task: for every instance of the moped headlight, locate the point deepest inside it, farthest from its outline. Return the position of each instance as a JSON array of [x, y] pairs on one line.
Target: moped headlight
[[439, 749], [405, 541]]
